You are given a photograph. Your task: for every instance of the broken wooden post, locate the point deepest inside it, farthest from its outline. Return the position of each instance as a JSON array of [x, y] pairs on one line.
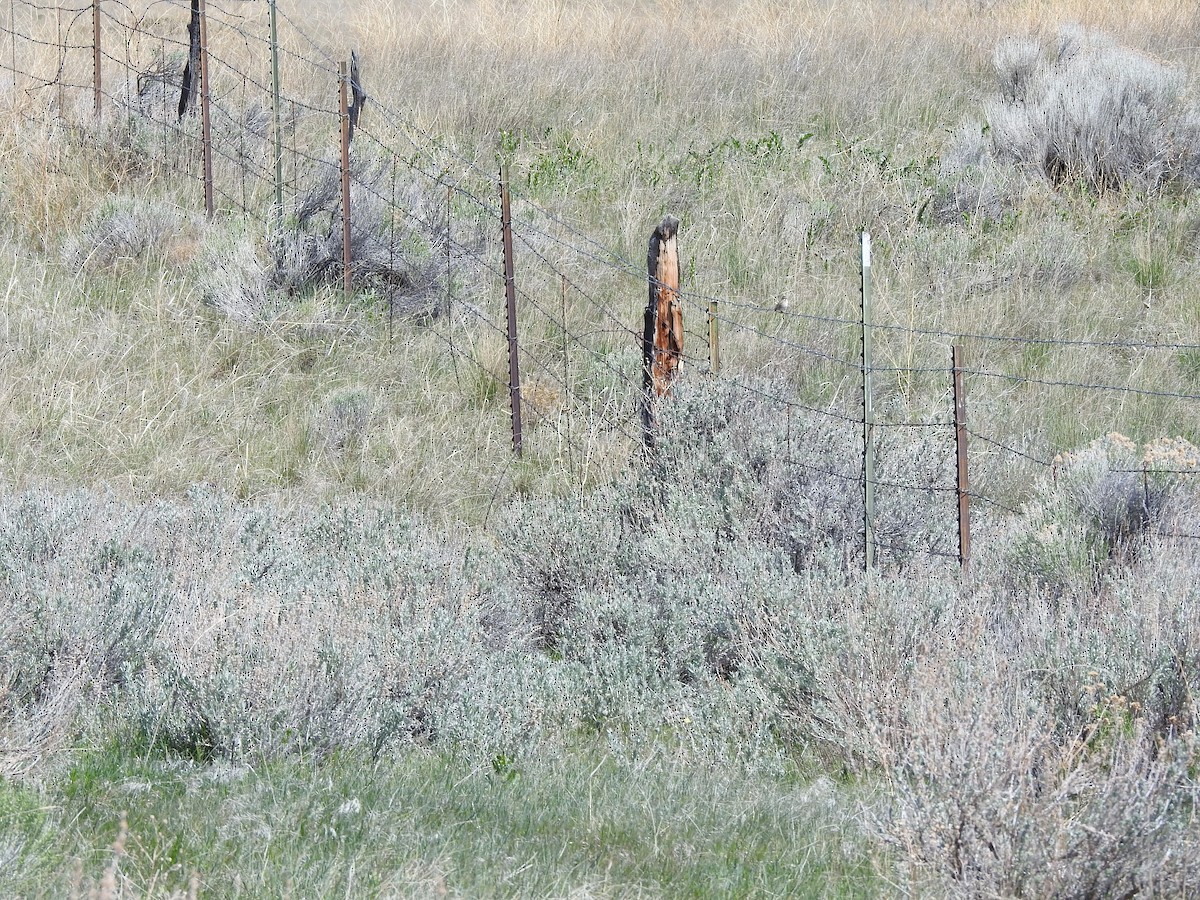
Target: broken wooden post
[[662, 337], [191, 69]]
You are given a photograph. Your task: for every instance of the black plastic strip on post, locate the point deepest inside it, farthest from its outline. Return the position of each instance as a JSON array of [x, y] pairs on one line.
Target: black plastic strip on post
[[960, 443], [358, 97], [510, 293]]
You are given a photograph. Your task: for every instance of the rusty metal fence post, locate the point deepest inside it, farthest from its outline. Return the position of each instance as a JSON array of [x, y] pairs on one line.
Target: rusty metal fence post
[[344, 97], [960, 443], [510, 294]]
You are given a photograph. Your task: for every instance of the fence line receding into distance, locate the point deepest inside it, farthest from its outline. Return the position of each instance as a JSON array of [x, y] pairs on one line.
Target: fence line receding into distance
[[278, 113]]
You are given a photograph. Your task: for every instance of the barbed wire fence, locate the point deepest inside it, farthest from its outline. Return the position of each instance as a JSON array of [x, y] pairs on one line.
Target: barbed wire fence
[[235, 108]]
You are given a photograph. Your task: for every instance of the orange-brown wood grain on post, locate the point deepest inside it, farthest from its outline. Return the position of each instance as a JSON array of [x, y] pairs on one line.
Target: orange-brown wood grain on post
[[663, 262], [662, 337]]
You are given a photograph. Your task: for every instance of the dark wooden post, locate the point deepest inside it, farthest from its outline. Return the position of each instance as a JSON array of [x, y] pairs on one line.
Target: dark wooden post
[[191, 69], [960, 443], [344, 96], [206, 112], [510, 294], [662, 336]]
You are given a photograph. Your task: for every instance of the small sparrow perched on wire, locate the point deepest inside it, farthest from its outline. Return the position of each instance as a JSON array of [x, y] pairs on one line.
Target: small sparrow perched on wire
[[781, 304]]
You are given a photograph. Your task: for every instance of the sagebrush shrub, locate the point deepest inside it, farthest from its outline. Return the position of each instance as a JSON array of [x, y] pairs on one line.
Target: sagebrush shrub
[[232, 275], [1082, 111], [400, 258], [1100, 506], [1097, 113], [1005, 734], [124, 229], [346, 418]]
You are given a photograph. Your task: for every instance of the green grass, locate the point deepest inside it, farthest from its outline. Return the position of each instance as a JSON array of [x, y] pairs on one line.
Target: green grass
[[422, 824]]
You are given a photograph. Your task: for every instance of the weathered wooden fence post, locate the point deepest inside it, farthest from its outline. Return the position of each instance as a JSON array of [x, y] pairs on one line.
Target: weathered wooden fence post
[[191, 69], [206, 112], [868, 420], [960, 443], [662, 336], [510, 294], [344, 98]]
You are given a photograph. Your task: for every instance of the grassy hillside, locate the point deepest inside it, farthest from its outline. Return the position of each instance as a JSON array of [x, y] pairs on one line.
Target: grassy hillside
[[775, 136], [281, 615]]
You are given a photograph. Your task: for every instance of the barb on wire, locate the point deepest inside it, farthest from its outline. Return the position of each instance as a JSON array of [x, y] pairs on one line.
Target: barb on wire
[[741, 385], [792, 345], [916, 551], [1112, 388], [1007, 449], [1153, 471], [991, 501], [1017, 339], [703, 300], [1182, 535]]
